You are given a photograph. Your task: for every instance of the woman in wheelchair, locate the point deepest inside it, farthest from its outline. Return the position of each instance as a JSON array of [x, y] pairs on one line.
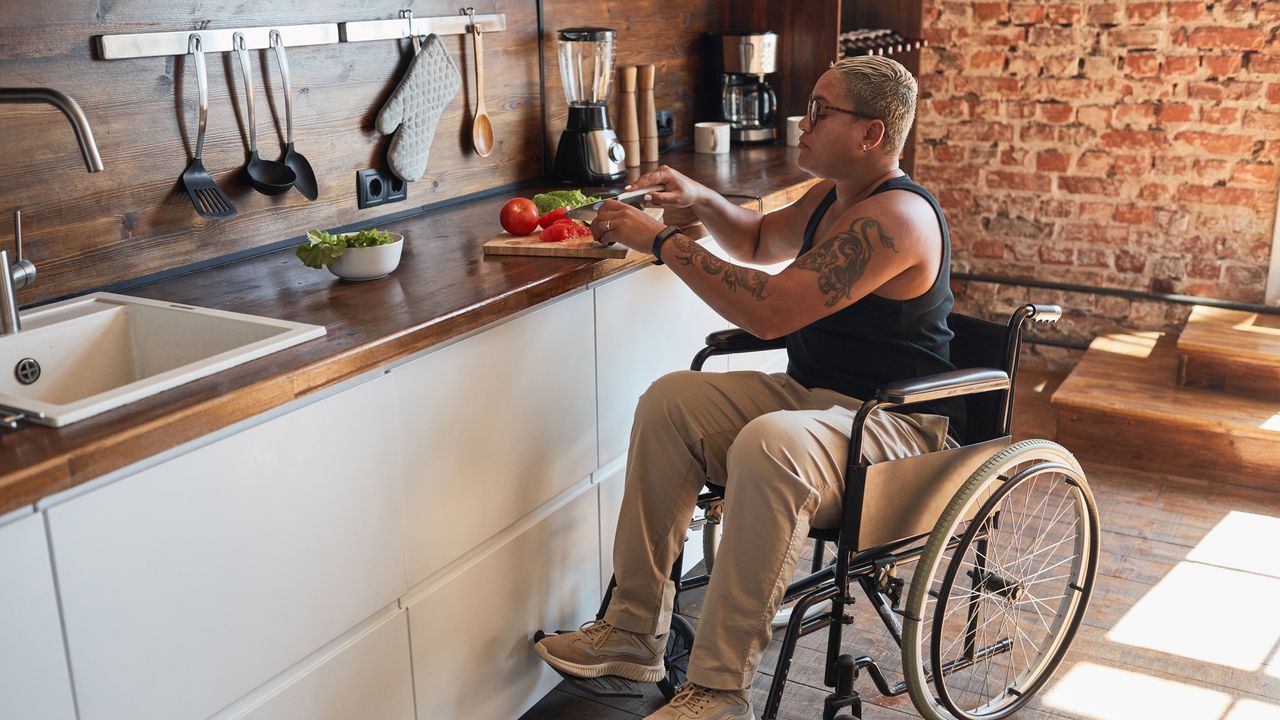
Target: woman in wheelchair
[[864, 305]]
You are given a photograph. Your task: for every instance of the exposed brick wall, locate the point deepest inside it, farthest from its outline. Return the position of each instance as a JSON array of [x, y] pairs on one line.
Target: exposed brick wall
[[1122, 144]]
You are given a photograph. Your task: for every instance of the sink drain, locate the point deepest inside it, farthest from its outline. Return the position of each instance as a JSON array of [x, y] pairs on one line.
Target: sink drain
[[27, 371]]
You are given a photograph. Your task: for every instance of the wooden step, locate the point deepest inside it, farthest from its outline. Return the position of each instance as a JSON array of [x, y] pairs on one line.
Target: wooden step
[[1121, 404], [1231, 350]]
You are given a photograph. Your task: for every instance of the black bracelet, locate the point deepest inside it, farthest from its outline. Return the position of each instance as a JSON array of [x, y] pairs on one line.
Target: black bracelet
[[660, 238]]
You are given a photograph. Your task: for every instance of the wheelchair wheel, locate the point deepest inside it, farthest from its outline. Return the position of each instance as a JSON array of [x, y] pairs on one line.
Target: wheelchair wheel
[[1001, 586], [679, 645]]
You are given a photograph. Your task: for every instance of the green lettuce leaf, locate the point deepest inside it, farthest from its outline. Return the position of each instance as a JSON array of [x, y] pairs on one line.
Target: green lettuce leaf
[[549, 201], [321, 248]]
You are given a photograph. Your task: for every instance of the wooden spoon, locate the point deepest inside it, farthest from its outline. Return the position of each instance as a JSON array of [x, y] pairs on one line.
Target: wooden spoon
[[481, 128]]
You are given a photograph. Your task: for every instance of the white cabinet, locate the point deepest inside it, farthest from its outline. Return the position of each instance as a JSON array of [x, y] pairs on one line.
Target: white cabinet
[[193, 582], [493, 427], [472, 637], [33, 663], [648, 323], [612, 481], [368, 679]]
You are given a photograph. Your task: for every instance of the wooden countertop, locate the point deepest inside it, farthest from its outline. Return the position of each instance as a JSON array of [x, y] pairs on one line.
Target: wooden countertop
[[444, 288]]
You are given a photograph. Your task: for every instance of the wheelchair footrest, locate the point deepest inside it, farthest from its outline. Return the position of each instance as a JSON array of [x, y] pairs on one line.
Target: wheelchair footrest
[[606, 686]]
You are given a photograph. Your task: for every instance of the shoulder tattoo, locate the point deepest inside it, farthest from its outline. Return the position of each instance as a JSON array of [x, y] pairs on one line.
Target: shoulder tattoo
[[753, 282], [841, 262]]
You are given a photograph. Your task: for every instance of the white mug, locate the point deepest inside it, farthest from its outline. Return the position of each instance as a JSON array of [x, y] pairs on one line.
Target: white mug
[[711, 138], [793, 130]]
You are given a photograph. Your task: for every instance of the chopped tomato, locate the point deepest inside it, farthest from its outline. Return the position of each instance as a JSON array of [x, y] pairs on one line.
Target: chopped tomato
[[553, 217], [563, 230]]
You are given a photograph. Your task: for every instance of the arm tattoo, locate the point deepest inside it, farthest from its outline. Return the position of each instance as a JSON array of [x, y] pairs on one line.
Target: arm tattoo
[[841, 261], [752, 281]]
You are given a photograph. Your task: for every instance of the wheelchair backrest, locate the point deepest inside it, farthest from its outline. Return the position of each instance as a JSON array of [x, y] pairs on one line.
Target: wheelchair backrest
[[981, 343]]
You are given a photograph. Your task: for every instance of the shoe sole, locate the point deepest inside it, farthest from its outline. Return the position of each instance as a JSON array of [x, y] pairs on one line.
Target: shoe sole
[[626, 670]]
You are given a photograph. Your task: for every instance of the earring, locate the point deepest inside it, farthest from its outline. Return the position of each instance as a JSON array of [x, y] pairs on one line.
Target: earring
[[864, 148]]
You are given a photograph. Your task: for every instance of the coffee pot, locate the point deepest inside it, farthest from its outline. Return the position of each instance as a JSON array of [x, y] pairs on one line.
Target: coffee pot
[[747, 101]]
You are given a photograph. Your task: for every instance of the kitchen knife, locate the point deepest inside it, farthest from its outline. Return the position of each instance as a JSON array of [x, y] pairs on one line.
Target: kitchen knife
[[635, 198]]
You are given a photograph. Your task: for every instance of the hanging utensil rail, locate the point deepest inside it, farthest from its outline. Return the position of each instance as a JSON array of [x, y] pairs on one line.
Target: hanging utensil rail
[[407, 26], [138, 45], [158, 44]]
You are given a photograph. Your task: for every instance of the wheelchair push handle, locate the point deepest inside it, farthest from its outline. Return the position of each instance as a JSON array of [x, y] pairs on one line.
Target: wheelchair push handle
[[1044, 313]]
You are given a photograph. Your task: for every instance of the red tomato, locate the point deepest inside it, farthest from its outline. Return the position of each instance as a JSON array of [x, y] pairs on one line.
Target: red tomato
[[563, 230], [519, 216], [553, 217]]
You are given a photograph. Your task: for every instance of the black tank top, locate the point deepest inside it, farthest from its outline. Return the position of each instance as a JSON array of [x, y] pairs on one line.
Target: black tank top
[[877, 340]]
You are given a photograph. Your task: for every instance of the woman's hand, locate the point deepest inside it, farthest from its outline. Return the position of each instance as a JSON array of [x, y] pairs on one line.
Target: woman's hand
[[621, 223], [680, 191]]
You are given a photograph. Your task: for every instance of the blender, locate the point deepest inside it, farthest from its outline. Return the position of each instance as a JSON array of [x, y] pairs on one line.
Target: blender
[[589, 152]]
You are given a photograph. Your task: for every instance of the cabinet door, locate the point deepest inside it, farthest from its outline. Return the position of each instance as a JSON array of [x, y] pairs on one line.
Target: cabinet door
[[648, 324], [33, 663], [472, 638], [612, 482], [370, 679], [493, 427], [193, 582]]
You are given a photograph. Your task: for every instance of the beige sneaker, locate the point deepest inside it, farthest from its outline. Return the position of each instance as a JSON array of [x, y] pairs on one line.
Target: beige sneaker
[[695, 702], [598, 648]]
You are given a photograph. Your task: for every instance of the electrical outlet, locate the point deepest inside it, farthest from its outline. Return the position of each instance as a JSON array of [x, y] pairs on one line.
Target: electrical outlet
[[377, 186], [397, 188], [371, 190]]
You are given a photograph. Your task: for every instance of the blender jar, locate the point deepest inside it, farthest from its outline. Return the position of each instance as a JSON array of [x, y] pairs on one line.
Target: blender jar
[[586, 64]]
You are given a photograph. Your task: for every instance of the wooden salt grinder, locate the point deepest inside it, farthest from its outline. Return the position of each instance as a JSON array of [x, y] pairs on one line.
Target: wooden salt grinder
[[628, 128], [648, 117]]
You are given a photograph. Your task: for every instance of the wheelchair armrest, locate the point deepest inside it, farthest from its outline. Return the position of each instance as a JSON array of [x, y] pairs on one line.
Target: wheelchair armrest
[[944, 385], [737, 340]]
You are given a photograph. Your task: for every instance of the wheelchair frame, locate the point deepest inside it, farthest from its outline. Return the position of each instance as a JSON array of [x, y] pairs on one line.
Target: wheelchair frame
[[874, 568]]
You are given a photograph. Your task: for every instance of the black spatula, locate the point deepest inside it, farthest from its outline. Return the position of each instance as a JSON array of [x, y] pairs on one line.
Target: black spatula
[[206, 196]]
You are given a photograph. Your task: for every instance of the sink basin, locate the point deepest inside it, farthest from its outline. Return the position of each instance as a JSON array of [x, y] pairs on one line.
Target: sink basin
[[98, 352]]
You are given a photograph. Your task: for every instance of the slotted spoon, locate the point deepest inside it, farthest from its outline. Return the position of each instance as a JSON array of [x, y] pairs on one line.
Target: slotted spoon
[[207, 198]]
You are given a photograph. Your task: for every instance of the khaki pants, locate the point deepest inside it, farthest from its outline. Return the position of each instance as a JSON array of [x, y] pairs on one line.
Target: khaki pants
[[780, 450]]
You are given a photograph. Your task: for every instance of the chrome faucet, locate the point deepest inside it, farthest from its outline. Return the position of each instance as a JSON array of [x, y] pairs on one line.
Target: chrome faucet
[[22, 272]]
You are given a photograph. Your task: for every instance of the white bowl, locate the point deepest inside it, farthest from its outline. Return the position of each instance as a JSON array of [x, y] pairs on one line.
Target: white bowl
[[368, 263]]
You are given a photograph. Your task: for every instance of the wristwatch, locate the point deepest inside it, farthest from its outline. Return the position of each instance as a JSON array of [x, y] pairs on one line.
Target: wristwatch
[[660, 238]]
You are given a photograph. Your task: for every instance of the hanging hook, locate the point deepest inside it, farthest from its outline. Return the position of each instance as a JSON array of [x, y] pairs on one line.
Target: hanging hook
[[413, 35], [470, 12]]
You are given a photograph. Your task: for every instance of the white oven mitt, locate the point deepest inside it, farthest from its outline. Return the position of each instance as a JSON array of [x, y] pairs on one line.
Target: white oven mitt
[[414, 108]]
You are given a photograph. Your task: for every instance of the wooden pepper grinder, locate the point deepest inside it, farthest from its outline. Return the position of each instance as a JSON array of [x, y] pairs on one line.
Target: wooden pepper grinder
[[648, 117], [628, 128]]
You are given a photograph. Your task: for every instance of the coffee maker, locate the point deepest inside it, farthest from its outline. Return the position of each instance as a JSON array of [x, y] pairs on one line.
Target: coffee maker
[[747, 102], [589, 152]]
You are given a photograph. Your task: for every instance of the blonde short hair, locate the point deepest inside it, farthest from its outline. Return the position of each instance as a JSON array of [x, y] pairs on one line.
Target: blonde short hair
[[881, 88]]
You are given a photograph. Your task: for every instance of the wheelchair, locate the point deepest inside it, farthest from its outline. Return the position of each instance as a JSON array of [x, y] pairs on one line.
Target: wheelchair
[[1001, 540]]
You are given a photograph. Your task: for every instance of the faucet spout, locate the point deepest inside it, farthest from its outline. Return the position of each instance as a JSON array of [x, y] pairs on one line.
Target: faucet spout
[[70, 108]]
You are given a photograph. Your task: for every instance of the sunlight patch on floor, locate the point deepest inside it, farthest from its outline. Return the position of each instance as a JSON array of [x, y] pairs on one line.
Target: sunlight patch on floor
[[1218, 605], [1105, 693], [1272, 423]]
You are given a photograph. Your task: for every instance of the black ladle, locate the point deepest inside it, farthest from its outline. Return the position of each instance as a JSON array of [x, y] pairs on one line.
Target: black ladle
[[267, 176], [306, 177]]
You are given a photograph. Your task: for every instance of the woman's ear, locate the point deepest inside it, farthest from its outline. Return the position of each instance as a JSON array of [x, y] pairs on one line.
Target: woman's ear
[[874, 135]]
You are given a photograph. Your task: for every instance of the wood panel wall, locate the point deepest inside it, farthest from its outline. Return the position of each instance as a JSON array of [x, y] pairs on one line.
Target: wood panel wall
[[87, 231]]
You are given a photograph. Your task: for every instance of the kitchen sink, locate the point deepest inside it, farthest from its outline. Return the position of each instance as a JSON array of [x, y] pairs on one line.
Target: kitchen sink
[[80, 357]]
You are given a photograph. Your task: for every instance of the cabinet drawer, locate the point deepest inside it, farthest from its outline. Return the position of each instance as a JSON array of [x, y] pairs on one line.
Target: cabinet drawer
[[369, 679], [494, 426], [33, 664], [472, 638], [193, 582], [648, 324]]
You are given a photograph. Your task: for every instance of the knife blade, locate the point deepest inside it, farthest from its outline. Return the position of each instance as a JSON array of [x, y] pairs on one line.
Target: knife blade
[[635, 198]]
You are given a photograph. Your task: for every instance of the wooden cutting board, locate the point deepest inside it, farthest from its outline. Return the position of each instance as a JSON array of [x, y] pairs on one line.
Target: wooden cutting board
[[506, 244]]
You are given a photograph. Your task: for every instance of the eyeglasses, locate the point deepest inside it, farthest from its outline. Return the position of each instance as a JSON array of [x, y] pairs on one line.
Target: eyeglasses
[[818, 107]]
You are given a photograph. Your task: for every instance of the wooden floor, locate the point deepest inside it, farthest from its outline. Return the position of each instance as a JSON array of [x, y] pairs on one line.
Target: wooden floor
[[1184, 623]]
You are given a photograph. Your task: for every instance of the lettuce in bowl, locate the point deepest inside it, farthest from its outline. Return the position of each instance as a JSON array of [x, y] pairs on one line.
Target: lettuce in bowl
[[322, 248]]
